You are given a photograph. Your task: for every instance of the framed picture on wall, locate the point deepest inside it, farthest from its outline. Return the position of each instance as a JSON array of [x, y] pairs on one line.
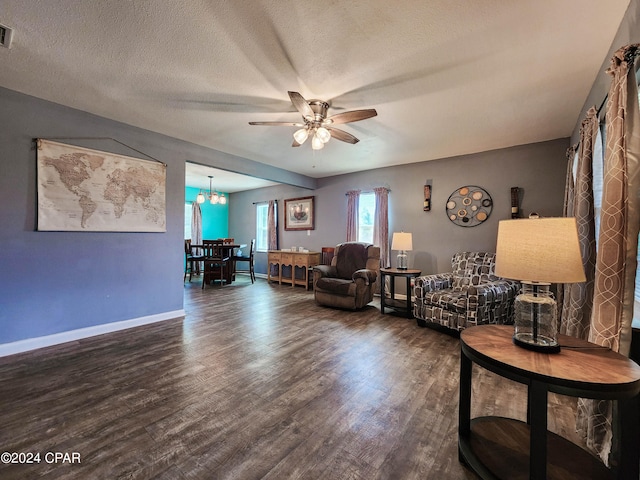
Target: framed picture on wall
[[299, 213]]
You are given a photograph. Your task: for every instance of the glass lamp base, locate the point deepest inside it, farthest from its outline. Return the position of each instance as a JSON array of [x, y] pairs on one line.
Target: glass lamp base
[[540, 344], [402, 260], [535, 318]]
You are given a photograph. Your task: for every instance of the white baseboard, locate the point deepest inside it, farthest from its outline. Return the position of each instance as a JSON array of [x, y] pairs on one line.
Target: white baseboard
[[72, 335]]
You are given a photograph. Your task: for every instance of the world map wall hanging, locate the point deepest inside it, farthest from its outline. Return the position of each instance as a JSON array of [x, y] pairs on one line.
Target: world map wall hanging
[[83, 190], [469, 206]]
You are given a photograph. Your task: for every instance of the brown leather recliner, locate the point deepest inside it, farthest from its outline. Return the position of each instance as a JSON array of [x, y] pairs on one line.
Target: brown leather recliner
[[351, 279]]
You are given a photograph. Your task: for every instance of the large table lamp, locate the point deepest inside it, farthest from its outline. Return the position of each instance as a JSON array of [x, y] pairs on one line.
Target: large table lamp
[[538, 252], [402, 242]]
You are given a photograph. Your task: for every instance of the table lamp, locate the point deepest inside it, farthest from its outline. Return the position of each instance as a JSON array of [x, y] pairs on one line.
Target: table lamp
[[538, 252], [403, 242]]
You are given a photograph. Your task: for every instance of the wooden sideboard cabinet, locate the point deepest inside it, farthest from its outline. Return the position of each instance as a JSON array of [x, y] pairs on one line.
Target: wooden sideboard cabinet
[[304, 260]]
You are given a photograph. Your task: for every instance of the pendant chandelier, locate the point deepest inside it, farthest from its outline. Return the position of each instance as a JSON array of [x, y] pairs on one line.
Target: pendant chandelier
[[213, 196]]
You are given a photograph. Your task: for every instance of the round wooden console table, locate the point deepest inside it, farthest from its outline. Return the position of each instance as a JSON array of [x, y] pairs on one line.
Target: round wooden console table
[[497, 447]]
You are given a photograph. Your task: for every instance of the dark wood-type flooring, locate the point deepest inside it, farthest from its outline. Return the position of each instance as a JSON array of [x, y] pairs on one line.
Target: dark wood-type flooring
[[256, 382]]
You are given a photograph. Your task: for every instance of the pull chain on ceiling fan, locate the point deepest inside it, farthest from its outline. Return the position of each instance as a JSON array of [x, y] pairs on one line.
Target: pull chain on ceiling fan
[[317, 124]]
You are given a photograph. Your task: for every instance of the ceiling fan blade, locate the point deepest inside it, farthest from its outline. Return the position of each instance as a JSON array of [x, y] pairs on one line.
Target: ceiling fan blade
[[301, 104], [295, 144], [342, 135], [278, 124], [352, 116]]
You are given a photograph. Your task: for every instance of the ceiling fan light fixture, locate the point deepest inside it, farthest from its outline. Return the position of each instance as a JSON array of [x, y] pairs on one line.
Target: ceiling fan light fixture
[[200, 197], [323, 134], [214, 198], [301, 135], [223, 199], [314, 115], [316, 143]]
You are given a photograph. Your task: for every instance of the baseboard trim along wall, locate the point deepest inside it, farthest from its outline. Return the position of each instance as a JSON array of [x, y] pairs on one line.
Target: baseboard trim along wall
[[57, 338]]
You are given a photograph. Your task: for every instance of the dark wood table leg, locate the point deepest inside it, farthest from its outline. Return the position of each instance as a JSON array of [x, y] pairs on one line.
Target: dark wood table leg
[[464, 406], [629, 424], [464, 410], [537, 409], [382, 292], [409, 313]]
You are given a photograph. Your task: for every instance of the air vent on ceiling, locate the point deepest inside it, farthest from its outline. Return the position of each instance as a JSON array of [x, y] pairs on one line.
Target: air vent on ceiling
[[6, 34]]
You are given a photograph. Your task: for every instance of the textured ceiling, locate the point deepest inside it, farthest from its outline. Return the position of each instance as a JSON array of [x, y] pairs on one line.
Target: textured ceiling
[[447, 77]]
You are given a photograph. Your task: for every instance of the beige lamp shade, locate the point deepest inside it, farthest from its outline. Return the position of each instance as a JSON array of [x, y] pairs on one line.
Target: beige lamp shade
[[402, 241], [543, 250]]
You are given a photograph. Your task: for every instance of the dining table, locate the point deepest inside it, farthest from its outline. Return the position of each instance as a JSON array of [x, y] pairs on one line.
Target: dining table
[[227, 249]]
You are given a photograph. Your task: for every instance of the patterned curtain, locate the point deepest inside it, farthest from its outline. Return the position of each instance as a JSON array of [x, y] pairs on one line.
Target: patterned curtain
[[578, 297], [381, 225], [567, 211], [572, 156], [272, 225], [618, 239], [353, 198], [196, 225]]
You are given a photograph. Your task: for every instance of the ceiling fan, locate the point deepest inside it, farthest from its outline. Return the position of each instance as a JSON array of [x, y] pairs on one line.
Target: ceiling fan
[[316, 123]]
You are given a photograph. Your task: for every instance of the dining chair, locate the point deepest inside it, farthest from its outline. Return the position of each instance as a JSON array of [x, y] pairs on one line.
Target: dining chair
[[248, 259], [191, 260], [226, 242], [230, 246], [326, 255], [215, 261]]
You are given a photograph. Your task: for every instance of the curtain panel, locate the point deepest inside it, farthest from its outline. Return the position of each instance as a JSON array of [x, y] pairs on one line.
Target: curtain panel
[[617, 243], [620, 217], [353, 200], [272, 225], [572, 158], [196, 225], [381, 224], [567, 211], [578, 297]]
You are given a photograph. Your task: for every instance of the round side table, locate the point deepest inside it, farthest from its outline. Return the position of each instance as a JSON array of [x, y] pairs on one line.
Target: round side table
[[498, 447], [391, 302]]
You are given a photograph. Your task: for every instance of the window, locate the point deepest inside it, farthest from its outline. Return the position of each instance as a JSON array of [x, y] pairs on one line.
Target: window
[[187, 221], [598, 177], [366, 216], [262, 227]]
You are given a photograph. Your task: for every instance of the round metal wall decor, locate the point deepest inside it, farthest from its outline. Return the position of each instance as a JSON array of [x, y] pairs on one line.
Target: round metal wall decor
[[469, 206]]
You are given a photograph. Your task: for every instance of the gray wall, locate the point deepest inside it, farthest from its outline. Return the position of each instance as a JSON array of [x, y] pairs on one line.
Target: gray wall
[[52, 282], [538, 169]]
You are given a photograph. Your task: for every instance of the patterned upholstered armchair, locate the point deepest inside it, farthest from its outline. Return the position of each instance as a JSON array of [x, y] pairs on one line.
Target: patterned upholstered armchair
[[470, 295], [351, 279]]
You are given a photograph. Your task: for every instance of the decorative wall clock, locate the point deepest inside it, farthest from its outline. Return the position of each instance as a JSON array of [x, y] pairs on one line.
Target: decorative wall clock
[[469, 206]]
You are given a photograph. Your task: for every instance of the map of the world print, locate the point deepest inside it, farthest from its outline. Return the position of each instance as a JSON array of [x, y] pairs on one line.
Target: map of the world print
[[94, 191]]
